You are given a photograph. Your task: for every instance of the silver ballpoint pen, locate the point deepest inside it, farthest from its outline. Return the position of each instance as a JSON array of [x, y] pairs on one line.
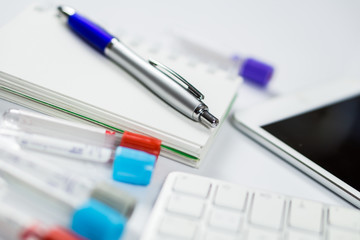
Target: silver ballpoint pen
[[162, 81]]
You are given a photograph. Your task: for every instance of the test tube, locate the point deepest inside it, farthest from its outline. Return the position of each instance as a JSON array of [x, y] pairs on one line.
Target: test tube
[[133, 161], [251, 69], [64, 184], [13, 224], [36, 123], [33, 122], [61, 147], [128, 165], [3, 188], [17, 225], [96, 211]]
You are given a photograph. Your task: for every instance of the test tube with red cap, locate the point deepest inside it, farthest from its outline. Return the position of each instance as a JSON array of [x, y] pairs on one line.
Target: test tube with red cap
[[133, 155], [36, 123], [18, 225]]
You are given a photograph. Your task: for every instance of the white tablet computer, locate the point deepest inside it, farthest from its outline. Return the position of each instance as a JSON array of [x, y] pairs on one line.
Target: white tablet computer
[[318, 131]]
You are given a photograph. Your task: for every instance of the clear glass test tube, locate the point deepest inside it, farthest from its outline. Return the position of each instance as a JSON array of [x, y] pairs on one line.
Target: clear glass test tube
[[61, 147], [132, 156], [36, 123], [14, 223], [17, 225], [128, 165], [251, 69], [57, 183], [75, 133]]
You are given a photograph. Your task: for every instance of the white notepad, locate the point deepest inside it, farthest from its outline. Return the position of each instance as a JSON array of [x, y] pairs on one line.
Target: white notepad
[[58, 74]]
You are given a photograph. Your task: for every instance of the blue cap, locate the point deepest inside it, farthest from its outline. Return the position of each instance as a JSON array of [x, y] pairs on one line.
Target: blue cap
[[133, 166], [97, 221], [256, 72]]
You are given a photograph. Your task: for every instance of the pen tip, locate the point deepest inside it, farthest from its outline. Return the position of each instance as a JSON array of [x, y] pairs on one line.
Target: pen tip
[[66, 11], [208, 119]]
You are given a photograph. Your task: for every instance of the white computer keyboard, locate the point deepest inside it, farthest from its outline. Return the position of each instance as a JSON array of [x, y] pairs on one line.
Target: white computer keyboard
[[196, 207]]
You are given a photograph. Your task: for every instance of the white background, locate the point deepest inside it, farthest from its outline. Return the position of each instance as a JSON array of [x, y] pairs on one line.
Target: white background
[[308, 42]]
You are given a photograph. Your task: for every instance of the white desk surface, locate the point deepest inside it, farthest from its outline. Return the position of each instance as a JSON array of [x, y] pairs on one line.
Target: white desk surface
[[309, 43]]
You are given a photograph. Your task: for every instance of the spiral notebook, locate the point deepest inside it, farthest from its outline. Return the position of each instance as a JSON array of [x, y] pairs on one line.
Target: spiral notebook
[[45, 67]]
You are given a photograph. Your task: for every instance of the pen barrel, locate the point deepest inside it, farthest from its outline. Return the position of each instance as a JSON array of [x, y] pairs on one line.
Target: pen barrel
[[90, 32], [156, 81]]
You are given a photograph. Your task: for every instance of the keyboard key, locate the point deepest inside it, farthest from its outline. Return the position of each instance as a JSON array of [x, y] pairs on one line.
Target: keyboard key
[[178, 227], [192, 185], [292, 235], [258, 234], [267, 210], [225, 220], [337, 234], [344, 217], [186, 205], [213, 235], [306, 215], [231, 196]]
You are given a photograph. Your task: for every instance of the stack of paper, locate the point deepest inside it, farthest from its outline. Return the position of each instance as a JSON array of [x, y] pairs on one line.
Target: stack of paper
[[47, 68]]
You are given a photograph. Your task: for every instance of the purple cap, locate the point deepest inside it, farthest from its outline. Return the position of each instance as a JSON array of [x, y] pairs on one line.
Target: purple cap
[[256, 72]]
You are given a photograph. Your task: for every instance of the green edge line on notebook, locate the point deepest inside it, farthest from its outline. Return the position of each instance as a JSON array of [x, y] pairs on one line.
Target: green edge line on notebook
[[230, 105], [179, 152], [92, 120]]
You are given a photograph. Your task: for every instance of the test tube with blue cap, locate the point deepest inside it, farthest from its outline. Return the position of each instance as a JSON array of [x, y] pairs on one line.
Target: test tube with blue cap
[[133, 155], [97, 211]]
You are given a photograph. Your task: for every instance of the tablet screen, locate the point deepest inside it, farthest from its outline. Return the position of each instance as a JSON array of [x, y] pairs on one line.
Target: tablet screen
[[329, 136]]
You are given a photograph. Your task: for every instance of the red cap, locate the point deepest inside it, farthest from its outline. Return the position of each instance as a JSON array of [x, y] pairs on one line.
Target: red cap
[[60, 233], [33, 232], [36, 232], [108, 132], [140, 142]]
